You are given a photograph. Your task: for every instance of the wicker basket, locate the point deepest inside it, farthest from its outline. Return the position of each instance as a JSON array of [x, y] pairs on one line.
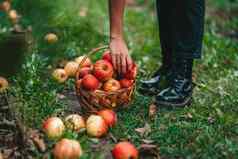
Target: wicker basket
[[93, 101]]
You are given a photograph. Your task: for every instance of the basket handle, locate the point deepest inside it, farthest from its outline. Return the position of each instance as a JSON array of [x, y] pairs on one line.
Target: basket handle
[[93, 51]]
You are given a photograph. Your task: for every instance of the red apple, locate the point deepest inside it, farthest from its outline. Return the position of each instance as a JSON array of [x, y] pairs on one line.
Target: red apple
[[131, 74], [75, 122], [53, 127], [67, 149], [107, 56], [84, 71], [126, 83], [109, 116], [106, 102], [125, 150], [51, 38], [96, 126], [71, 68], [3, 84], [86, 63], [111, 85], [60, 75], [103, 70], [90, 82]]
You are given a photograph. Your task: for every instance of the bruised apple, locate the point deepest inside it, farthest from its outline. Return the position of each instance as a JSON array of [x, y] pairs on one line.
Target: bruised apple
[[86, 62], [53, 127], [126, 83], [71, 68], [3, 84], [107, 56], [111, 85], [67, 149], [131, 74], [96, 126], [60, 75], [90, 82], [109, 116], [125, 150], [103, 70], [75, 122], [51, 38], [84, 71]]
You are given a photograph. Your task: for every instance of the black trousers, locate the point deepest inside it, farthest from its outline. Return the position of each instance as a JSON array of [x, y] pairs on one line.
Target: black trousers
[[181, 24]]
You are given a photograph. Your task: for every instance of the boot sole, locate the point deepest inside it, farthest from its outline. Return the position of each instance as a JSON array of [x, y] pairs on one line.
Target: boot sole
[[147, 92], [187, 102]]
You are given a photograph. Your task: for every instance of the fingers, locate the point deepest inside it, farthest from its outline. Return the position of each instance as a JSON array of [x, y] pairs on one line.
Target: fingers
[[123, 64], [118, 63], [129, 63]]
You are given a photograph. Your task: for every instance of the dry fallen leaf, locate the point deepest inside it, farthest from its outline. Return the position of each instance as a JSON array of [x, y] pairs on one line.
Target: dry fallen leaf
[[149, 150], [146, 141], [144, 131], [152, 111]]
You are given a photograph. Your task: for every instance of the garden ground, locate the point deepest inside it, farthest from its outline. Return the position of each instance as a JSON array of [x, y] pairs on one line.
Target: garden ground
[[206, 129]]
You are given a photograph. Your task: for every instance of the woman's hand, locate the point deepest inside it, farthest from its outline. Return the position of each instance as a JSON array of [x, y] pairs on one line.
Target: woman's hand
[[120, 57]]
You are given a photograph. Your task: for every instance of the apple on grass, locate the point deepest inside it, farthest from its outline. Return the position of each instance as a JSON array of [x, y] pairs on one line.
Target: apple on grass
[[67, 149], [75, 122], [96, 126], [60, 75], [86, 61], [3, 84], [71, 68], [51, 38], [109, 116], [90, 82], [103, 70], [111, 85], [125, 150], [53, 127]]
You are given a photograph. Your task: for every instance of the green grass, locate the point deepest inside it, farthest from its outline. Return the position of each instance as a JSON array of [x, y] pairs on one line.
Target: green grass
[[207, 129]]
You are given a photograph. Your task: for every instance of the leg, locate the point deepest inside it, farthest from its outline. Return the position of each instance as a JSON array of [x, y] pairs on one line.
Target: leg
[[187, 44], [155, 84]]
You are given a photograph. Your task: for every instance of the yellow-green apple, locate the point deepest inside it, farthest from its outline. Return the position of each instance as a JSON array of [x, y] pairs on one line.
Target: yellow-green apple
[[96, 126], [71, 68], [75, 122], [83, 61], [60, 75], [53, 127]]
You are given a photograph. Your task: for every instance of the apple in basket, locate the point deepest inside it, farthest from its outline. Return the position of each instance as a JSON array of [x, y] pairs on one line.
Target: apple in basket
[[125, 150], [90, 82], [86, 63], [103, 70], [75, 122], [131, 74], [84, 71], [109, 116], [111, 85], [105, 101], [71, 68], [96, 126], [67, 149], [107, 56], [126, 83], [53, 127]]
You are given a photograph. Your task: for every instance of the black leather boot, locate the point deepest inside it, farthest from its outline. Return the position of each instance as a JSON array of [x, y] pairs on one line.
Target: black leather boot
[[179, 91], [159, 80]]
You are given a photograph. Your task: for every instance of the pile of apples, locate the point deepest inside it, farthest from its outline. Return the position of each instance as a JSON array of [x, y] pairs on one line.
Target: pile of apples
[[100, 75], [6, 7], [96, 125]]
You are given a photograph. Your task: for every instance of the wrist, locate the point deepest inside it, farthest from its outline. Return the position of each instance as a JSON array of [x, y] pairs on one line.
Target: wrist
[[116, 37]]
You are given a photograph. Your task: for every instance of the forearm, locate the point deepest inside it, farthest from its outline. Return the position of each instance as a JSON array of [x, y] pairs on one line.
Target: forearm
[[116, 9]]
